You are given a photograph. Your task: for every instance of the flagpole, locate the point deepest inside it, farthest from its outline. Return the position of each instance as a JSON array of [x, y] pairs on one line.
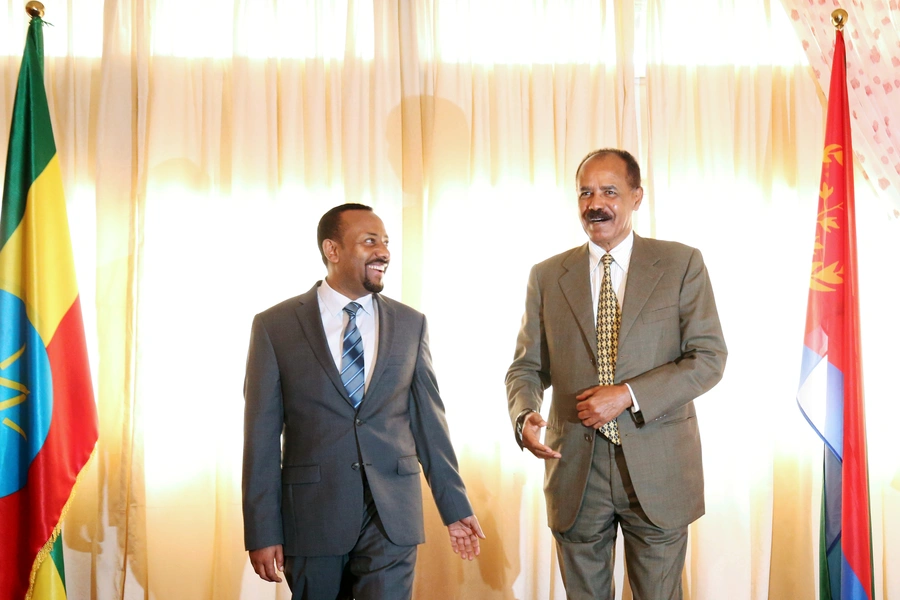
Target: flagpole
[[34, 9], [831, 386], [838, 18]]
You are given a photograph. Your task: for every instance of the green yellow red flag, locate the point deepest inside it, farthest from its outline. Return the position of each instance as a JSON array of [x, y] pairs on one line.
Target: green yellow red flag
[[48, 418]]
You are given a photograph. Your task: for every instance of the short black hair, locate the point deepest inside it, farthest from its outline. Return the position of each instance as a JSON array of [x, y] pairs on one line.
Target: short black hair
[[330, 224], [631, 165]]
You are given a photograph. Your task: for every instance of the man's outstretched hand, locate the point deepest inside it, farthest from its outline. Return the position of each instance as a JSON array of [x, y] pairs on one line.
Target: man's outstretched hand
[[464, 535], [531, 437]]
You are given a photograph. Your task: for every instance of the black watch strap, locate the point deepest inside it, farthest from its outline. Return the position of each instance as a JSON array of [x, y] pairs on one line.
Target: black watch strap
[[520, 422]]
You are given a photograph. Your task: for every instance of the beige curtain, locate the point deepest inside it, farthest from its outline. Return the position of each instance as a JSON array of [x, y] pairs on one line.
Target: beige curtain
[[735, 136], [201, 143]]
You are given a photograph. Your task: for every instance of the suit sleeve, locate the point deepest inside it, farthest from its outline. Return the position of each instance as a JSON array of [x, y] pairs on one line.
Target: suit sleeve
[[529, 374], [429, 427], [263, 422], [702, 360]]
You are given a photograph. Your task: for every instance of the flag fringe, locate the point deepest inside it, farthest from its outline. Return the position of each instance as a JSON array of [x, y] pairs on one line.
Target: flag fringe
[[57, 530]]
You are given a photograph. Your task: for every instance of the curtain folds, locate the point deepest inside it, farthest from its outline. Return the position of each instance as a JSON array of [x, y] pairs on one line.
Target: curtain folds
[[200, 146]]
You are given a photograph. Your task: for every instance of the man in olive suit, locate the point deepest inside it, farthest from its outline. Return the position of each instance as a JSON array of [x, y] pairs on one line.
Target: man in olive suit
[[625, 330], [342, 414]]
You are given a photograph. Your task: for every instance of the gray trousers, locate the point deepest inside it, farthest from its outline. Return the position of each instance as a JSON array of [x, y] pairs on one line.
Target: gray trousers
[[654, 557], [375, 569]]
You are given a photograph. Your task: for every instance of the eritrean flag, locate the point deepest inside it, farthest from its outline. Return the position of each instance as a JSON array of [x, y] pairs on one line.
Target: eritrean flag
[[48, 419], [831, 386]]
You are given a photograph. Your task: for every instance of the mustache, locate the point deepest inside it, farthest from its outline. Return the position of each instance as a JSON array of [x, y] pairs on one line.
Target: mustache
[[597, 214], [378, 261]]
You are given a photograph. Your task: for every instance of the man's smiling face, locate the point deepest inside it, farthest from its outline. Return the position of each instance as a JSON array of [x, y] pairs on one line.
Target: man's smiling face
[[606, 200], [357, 263]]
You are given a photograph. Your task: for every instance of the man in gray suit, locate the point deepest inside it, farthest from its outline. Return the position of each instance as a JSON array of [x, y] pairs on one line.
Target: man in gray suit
[[626, 452], [342, 408]]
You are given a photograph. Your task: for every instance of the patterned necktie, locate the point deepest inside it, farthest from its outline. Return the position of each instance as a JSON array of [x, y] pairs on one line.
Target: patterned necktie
[[608, 319], [352, 362]]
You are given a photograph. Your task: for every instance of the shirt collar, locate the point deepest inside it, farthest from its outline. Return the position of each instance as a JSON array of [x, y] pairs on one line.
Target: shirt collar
[[334, 302], [621, 254]]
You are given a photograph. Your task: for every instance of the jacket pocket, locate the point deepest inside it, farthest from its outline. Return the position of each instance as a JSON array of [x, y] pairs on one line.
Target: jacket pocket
[[408, 465], [660, 313], [300, 474], [676, 421], [401, 360]]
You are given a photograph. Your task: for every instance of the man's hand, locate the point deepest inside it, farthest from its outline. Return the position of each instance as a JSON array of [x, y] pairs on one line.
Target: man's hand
[[464, 536], [601, 404], [266, 560], [531, 436]]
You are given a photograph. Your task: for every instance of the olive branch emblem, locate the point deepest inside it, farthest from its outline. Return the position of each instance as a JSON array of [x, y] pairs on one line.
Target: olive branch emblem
[[16, 387], [826, 278]]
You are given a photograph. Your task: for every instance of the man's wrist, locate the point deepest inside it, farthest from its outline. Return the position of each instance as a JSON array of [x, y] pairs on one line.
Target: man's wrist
[[633, 405], [520, 422]]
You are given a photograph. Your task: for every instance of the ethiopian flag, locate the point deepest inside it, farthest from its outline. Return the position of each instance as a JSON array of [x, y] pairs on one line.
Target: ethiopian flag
[[831, 385], [48, 418]]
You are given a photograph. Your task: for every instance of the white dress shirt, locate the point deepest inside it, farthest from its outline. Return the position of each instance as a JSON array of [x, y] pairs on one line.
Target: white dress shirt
[[618, 271], [334, 320]]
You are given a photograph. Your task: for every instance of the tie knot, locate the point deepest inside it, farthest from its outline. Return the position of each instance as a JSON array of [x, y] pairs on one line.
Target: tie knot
[[607, 259], [351, 309]]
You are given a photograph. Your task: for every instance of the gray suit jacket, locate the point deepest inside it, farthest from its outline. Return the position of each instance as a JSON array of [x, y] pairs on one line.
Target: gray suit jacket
[[671, 350], [308, 495]]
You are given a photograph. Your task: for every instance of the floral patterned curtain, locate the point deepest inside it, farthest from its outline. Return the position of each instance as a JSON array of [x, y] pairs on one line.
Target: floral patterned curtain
[[872, 34]]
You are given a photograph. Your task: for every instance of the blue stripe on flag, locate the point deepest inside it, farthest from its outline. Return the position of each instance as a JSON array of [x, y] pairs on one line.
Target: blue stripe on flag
[[851, 588], [821, 399]]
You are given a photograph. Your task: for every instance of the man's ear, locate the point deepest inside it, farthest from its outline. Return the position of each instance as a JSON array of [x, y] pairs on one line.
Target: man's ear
[[330, 249], [638, 195]]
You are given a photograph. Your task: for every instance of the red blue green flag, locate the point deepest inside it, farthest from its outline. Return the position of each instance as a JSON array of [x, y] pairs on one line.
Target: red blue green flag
[[48, 418], [831, 385]]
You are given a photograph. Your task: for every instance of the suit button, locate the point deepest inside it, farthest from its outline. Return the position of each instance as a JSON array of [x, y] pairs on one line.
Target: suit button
[[588, 437], [359, 422], [355, 466]]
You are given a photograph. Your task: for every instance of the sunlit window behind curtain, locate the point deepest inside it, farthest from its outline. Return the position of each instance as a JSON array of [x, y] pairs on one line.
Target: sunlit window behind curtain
[[287, 30], [512, 32], [461, 123]]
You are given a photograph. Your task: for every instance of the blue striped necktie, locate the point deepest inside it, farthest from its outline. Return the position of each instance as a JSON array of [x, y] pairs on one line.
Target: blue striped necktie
[[352, 362]]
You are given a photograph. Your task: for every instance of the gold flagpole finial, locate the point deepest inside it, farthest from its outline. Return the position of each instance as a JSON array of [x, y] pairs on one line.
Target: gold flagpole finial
[[839, 18], [35, 9]]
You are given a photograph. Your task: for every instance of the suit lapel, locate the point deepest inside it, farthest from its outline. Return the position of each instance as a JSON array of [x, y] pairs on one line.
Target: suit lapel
[[643, 275], [310, 318], [386, 328], [575, 284]]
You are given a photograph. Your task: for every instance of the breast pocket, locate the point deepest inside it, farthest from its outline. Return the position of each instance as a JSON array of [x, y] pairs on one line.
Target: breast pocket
[[401, 360], [659, 314]]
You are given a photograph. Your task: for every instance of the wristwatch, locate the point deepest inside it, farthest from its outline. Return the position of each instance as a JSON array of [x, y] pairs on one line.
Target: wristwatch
[[520, 422]]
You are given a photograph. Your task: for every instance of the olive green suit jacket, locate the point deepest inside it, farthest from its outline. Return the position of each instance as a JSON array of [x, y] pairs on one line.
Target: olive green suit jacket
[[670, 351]]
